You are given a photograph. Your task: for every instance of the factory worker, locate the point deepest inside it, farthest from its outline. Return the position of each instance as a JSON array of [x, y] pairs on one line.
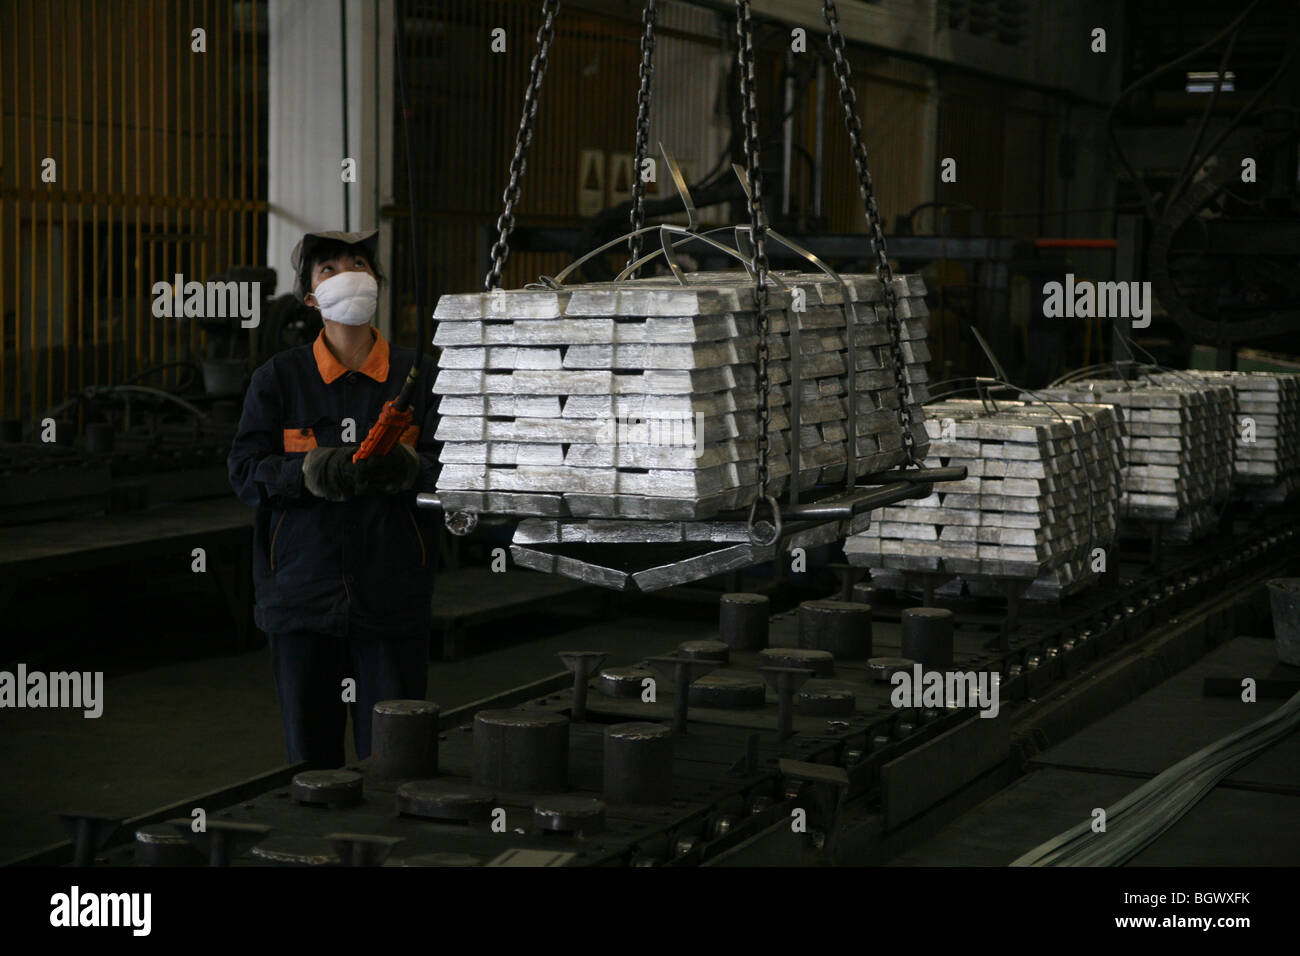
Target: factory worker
[[343, 560]]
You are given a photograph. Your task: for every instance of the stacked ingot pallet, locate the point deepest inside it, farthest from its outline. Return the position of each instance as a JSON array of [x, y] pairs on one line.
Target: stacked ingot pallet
[[637, 399], [1178, 447], [1042, 491], [1265, 428]]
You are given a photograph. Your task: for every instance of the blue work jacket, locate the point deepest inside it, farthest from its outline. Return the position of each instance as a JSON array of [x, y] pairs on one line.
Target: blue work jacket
[[363, 566]]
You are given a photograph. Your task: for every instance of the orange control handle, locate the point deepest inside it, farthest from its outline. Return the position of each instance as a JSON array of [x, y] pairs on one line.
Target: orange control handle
[[385, 432]]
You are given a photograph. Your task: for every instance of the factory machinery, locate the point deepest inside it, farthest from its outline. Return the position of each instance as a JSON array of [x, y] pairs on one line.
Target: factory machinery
[[787, 737], [779, 714]]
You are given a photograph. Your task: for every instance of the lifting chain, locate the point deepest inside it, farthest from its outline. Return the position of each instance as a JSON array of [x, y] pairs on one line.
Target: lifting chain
[[758, 231], [523, 139], [648, 17], [844, 74]]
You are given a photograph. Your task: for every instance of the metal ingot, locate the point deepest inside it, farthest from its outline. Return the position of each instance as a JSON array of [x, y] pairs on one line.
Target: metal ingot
[[160, 845], [841, 627], [294, 849], [622, 681], [638, 763], [521, 750], [404, 740], [569, 814], [336, 789], [705, 651], [817, 700], [821, 663], [727, 693], [445, 800]]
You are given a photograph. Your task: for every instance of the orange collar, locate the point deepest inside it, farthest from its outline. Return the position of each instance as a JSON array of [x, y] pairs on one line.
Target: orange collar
[[375, 365]]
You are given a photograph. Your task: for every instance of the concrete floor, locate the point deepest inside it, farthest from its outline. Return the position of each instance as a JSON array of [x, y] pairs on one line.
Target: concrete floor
[[182, 715]]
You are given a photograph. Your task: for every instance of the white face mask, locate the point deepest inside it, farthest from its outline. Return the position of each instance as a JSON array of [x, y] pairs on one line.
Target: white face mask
[[349, 298]]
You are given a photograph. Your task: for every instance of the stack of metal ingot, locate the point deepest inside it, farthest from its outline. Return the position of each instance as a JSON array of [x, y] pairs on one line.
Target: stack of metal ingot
[[1265, 430], [637, 399], [1178, 447], [1041, 493]]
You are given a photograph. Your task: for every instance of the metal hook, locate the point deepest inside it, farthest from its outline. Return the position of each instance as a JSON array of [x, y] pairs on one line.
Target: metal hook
[[754, 526]]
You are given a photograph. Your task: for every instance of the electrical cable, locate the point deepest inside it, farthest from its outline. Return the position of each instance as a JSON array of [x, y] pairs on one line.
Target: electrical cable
[[1137, 820]]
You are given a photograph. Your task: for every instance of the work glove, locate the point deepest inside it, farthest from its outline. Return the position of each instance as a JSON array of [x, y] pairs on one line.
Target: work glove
[[388, 474], [330, 474]]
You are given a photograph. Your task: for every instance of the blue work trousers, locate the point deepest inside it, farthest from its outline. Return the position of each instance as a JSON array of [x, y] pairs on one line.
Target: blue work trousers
[[309, 673]]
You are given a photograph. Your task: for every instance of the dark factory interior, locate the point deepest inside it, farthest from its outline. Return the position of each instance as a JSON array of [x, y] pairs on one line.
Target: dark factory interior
[[427, 435]]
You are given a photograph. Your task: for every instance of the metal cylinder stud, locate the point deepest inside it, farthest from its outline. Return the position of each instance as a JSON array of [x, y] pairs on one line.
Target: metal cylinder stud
[[727, 693], [683, 672], [89, 833], [336, 789], [222, 840], [742, 621], [786, 681], [445, 800], [521, 750], [818, 700], [295, 849], [581, 665], [821, 663], [705, 651], [567, 813], [884, 668], [927, 636], [160, 845], [362, 849], [864, 593], [404, 740], [625, 682], [638, 763], [841, 627]]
